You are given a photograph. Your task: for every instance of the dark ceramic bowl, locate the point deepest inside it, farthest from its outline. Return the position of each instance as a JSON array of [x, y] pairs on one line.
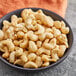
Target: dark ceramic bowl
[[55, 17]]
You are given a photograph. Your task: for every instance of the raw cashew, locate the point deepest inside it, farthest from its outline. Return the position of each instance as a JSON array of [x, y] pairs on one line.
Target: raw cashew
[[51, 44], [61, 51], [43, 50], [32, 56], [9, 44], [45, 64], [14, 20], [32, 36], [46, 20], [24, 58], [12, 57], [19, 52], [19, 62], [45, 58], [30, 64], [41, 29], [6, 25], [32, 46], [1, 34], [38, 61]]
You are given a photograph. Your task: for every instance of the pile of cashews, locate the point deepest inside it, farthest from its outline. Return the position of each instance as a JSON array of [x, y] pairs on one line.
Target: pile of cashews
[[33, 40]]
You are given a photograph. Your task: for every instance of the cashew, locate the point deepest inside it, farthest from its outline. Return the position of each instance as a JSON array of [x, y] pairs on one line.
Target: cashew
[[24, 44], [46, 20], [56, 32], [12, 57], [57, 24], [45, 58], [32, 56], [40, 29], [45, 35], [30, 64], [9, 44], [51, 44], [25, 13], [14, 20], [62, 38], [6, 25], [39, 44], [6, 53], [32, 46], [38, 61], [65, 30], [54, 57], [19, 52], [19, 62], [45, 64], [24, 58], [32, 36], [43, 50], [61, 51], [20, 34], [1, 34]]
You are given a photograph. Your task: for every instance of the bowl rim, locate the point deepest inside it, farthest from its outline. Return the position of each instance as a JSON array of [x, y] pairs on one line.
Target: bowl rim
[[54, 64]]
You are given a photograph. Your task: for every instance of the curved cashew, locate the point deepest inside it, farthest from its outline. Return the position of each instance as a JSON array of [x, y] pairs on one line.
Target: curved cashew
[[56, 32], [43, 50], [12, 57], [38, 61], [19, 52], [24, 58], [6, 52], [46, 64], [61, 51], [30, 64], [54, 57], [32, 46], [20, 34], [45, 35], [57, 24], [49, 35], [55, 50], [65, 30], [46, 20], [62, 39], [6, 25], [41, 29], [39, 44], [9, 44], [51, 44], [1, 34], [19, 62], [26, 53], [19, 20], [45, 58], [24, 44], [25, 13], [63, 24], [49, 30], [42, 37], [32, 36], [32, 56], [14, 20]]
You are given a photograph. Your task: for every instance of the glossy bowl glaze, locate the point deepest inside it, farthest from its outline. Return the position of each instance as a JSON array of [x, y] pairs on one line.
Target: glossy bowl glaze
[[55, 17]]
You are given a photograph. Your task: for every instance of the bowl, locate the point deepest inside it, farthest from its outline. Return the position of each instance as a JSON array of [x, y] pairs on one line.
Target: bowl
[[55, 17]]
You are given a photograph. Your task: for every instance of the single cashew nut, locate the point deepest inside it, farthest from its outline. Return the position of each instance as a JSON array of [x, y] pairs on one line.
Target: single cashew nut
[[30, 64]]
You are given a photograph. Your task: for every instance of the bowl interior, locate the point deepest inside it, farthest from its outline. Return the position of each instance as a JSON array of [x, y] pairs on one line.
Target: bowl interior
[[49, 13]]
